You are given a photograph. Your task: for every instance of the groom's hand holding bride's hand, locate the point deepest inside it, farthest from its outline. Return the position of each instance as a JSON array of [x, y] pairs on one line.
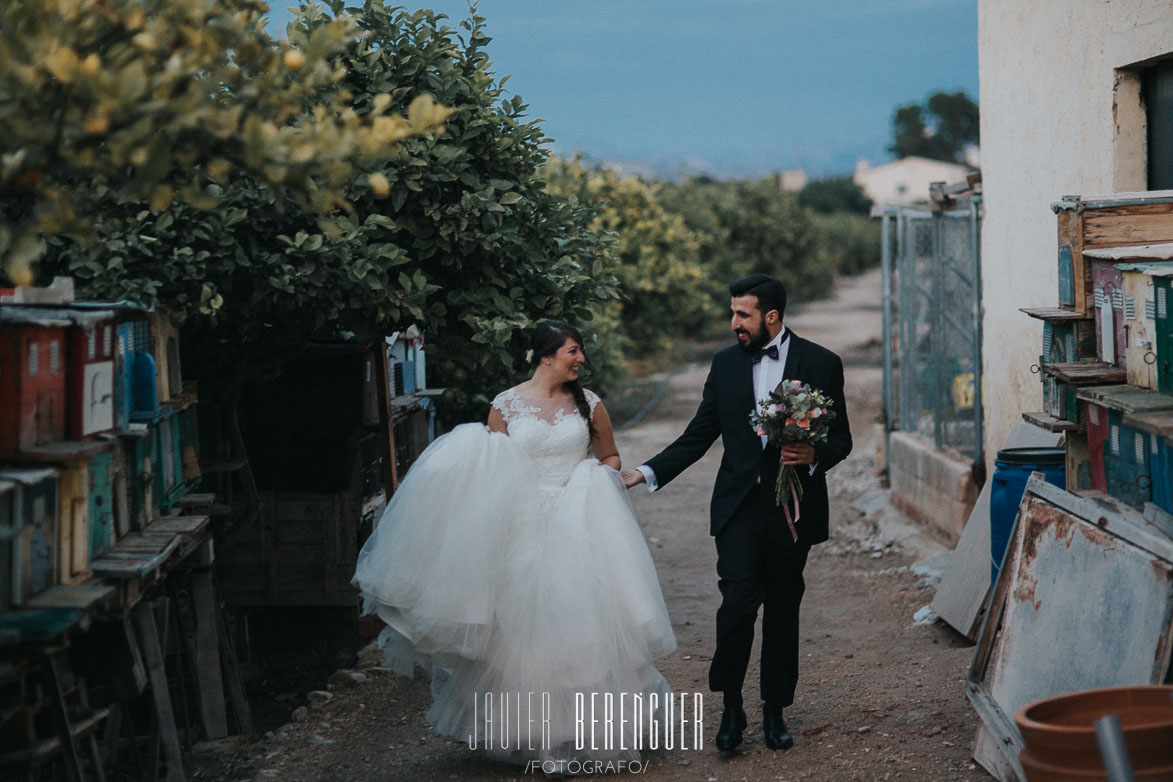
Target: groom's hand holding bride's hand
[[632, 478]]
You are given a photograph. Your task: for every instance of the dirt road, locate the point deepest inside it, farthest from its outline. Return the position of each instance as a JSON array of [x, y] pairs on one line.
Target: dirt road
[[879, 696]]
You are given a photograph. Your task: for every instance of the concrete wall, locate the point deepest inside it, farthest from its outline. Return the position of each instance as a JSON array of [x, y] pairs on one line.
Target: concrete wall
[[1060, 114], [934, 487]]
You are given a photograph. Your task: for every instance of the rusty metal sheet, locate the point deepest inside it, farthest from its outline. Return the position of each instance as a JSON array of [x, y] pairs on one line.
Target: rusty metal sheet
[[1084, 600]]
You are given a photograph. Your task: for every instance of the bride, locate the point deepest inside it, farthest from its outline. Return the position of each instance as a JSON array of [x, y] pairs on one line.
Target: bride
[[510, 566]]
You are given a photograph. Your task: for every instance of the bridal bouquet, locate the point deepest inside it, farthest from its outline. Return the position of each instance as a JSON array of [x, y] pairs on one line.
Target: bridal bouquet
[[794, 413]]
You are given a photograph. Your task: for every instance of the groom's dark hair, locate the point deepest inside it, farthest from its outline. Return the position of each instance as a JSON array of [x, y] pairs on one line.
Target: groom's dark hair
[[770, 293]]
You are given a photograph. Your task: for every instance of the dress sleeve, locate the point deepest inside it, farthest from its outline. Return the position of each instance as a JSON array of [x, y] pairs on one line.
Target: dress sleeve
[[592, 400], [501, 402]]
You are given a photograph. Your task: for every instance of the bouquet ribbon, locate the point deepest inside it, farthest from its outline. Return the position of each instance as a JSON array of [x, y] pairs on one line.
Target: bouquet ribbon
[[790, 519]]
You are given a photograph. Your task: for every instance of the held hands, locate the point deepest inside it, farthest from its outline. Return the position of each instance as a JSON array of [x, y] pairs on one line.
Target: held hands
[[798, 453], [632, 478]]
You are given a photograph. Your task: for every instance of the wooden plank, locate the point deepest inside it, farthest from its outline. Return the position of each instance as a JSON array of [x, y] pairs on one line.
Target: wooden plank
[[300, 532], [1050, 423], [386, 421], [247, 578], [236, 691], [1054, 314], [1101, 229], [80, 596], [301, 506], [138, 669], [123, 568], [186, 525], [1159, 423], [207, 657], [1127, 399], [1086, 373], [196, 499], [72, 761], [238, 554], [223, 465], [148, 638], [301, 554], [1109, 207]]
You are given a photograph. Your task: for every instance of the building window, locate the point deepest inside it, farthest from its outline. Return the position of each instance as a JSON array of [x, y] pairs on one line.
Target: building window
[[34, 359], [55, 357], [1157, 89]]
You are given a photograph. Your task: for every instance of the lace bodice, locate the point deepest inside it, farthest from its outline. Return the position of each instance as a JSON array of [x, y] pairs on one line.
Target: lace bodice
[[551, 430]]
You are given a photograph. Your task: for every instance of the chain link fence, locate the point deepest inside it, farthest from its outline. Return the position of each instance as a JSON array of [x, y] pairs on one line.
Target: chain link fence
[[932, 324]]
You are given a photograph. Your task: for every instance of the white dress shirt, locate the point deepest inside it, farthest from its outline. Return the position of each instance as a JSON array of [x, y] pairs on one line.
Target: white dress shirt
[[767, 374]]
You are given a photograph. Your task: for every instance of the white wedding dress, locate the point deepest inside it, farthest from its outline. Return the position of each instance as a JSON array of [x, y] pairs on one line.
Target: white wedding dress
[[513, 564]]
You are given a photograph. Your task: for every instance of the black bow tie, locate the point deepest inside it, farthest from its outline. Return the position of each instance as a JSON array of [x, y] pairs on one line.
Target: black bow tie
[[758, 355]]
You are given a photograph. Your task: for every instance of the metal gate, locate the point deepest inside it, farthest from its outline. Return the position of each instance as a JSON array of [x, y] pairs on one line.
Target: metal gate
[[932, 324]]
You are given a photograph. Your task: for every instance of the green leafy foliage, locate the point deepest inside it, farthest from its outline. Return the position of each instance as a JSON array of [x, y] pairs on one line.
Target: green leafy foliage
[[134, 90], [834, 194], [850, 242], [750, 227], [941, 129], [455, 232], [662, 282]]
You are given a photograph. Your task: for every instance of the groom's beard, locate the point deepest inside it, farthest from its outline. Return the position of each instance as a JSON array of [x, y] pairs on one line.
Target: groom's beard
[[757, 339]]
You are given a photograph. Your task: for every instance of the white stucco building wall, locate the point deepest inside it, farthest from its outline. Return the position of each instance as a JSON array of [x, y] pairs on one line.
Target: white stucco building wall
[[1060, 114], [905, 181]]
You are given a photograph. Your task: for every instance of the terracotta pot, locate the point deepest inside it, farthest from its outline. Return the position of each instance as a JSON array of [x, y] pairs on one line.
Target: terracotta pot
[[1044, 772], [1060, 739]]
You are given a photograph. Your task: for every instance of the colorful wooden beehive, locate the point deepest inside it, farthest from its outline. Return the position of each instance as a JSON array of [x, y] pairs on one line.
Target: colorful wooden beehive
[[90, 380], [32, 557], [1108, 282], [164, 347], [1090, 223], [1096, 416], [120, 344], [1159, 428], [1140, 321], [1127, 449], [33, 390], [137, 446], [1068, 338], [1163, 329]]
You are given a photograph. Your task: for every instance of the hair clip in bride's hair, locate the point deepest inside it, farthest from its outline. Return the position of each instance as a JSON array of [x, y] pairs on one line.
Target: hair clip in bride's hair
[[529, 356]]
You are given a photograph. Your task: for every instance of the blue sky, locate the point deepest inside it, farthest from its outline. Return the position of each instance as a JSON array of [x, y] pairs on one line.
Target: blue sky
[[730, 87]]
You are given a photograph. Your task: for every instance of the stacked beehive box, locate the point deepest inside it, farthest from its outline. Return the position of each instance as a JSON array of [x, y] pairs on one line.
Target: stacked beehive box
[[73, 425], [1107, 358]]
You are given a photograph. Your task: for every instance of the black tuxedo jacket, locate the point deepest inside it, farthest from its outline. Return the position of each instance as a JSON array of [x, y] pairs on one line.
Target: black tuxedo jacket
[[726, 403]]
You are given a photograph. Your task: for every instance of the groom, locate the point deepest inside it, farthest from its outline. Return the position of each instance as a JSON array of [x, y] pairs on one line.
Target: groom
[[758, 561]]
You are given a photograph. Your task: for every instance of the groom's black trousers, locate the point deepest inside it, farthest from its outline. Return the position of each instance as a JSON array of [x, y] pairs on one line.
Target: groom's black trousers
[[758, 565]]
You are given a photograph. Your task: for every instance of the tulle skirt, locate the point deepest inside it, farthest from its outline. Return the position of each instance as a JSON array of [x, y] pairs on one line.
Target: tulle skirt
[[530, 603]]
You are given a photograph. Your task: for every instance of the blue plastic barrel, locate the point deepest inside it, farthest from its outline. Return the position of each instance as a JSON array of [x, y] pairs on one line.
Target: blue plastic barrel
[[1012, 469]]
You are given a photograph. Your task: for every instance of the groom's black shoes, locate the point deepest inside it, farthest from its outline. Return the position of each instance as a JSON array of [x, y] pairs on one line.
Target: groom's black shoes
[[774, 727], [732, 724]]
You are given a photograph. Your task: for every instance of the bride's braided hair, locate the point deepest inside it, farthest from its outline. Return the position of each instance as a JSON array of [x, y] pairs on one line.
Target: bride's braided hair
[[548, 338]]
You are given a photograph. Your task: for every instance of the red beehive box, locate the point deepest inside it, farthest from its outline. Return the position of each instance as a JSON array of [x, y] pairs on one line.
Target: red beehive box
[[32, 378]]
